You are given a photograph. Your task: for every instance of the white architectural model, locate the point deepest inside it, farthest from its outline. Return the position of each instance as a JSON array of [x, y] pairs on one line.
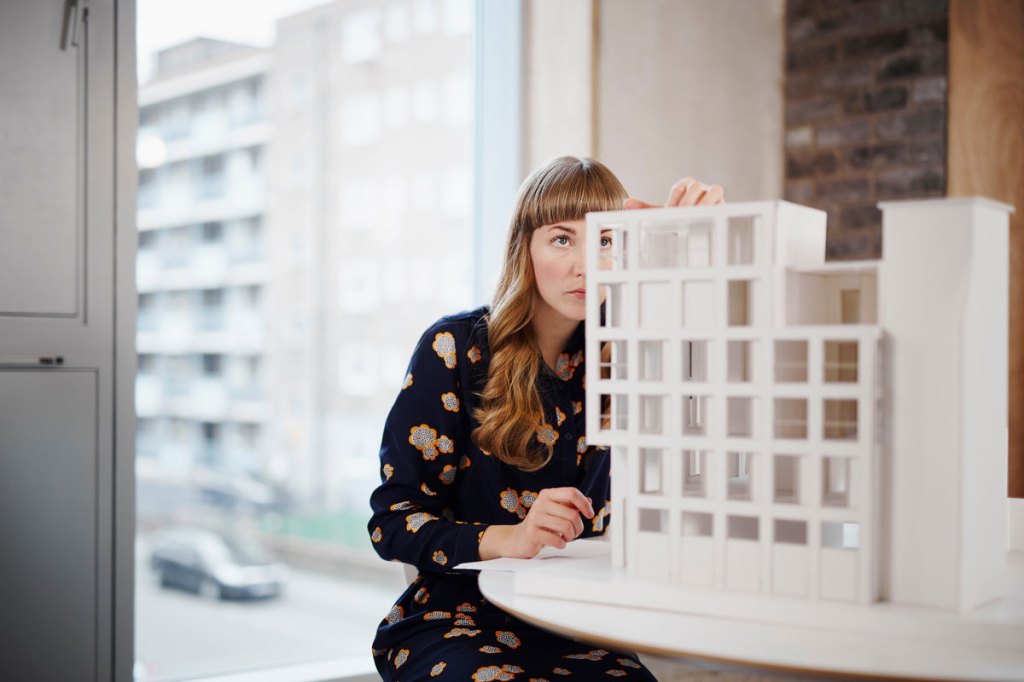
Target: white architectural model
[[785, 427]]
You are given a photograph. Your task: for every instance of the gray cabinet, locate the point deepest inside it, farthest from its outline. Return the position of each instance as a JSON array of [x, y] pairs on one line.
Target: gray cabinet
[[66, 338]]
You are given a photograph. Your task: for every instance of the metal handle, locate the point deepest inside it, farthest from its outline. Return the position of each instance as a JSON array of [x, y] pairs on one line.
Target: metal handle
[[75, 12], [31, 360]]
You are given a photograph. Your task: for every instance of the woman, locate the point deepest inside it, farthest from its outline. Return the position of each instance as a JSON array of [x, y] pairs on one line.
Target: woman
[[484, 453]]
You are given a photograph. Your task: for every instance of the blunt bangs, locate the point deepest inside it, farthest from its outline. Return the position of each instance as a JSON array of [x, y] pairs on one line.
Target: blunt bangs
[[569, 188]]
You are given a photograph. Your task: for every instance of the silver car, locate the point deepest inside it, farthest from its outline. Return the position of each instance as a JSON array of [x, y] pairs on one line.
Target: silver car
[[211, 565]]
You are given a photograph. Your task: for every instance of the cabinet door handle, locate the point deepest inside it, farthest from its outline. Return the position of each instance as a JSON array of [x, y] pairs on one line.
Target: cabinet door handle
[[29, 360], [75, 13]]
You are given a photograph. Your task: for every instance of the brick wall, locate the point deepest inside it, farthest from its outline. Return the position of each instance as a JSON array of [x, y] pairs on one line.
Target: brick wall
[[865, 107]]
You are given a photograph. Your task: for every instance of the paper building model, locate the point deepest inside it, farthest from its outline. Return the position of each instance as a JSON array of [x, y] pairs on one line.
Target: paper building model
[[785, 427]]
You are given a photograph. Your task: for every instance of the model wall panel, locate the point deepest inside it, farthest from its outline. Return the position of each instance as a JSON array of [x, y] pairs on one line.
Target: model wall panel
[[790, 570], [695, 561], [985, 386], [743, 565], [921, 311]]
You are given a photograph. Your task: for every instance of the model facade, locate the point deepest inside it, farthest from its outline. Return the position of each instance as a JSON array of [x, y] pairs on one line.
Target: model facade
[[788, 427]]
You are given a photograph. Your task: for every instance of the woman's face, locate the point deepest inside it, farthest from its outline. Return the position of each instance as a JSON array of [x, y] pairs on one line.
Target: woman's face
[[559, 266]]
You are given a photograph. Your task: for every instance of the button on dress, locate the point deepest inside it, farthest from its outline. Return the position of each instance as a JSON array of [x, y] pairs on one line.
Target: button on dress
[[439, 493]]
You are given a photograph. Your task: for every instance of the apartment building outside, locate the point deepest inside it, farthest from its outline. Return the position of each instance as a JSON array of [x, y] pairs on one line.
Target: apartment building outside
[[369, 214], [202, 276], [304, 213]]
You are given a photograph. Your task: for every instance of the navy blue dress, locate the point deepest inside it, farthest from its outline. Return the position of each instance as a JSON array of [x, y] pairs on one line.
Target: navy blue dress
[[439, 493]]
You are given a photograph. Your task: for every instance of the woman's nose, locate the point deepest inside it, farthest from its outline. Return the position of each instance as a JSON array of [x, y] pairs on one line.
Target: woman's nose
[[579, 264]]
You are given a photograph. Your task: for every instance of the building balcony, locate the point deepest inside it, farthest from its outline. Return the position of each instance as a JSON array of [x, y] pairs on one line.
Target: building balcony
[[149, 395], [172, 340], [203, 268], [179, 208], [212, 135]]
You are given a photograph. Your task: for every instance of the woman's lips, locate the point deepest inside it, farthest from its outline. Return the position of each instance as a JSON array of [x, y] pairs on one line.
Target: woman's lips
[[579, 293]]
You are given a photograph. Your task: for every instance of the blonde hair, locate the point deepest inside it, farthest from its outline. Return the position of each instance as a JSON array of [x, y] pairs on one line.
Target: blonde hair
[[510, 411]]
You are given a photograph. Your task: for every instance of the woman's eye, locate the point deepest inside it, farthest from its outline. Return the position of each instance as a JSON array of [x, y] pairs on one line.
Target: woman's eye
[[561, 240], [606, 242]]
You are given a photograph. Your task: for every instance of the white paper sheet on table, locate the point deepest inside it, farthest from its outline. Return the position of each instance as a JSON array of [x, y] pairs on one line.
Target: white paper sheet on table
[[577, 549]]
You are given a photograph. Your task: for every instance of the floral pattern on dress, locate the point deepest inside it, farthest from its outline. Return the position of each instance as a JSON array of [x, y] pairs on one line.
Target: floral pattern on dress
[[424, 439], [508, 639], [444, 346], [514, 503], [597, 523], [413, 522], [450, 401], [592, 655], [493, 673], [461, 632], [565, 366], [437, 615], [546, 434]]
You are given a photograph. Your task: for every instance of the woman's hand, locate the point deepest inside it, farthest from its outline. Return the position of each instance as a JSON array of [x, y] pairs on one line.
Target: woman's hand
[[686, 192], [553, 520]]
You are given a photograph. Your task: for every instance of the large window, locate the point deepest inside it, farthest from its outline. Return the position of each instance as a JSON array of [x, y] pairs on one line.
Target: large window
[[305, 213]]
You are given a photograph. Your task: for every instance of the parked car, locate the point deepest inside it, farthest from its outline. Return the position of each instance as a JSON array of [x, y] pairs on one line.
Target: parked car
[[215, 566]]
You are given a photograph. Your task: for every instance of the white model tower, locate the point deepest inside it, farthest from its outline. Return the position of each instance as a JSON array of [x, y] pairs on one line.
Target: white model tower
[[789, 427]]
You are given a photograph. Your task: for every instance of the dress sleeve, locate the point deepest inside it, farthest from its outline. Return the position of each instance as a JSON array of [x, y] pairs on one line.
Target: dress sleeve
[[424, 433]]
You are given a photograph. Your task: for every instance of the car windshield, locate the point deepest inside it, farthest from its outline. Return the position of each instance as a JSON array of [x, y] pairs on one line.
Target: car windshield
[[246, 553]]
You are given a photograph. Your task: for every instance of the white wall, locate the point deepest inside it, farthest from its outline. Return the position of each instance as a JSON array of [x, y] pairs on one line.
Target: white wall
[[660, 89]]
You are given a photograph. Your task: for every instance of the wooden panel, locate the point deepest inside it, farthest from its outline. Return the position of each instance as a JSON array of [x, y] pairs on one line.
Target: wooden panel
[[986, 148], [48, 525]]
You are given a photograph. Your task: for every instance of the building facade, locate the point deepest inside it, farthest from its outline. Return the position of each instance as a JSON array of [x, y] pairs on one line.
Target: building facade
[[833, 432], [304, 213], [201, 270]]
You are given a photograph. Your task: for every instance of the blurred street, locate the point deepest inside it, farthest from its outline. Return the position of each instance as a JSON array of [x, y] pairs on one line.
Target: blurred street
[[317, 617]]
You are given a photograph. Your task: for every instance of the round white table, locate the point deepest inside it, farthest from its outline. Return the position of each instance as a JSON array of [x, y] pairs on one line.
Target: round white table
[[764, 646]]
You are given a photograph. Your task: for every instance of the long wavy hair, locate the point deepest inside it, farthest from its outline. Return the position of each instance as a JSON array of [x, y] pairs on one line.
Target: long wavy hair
[[510, 411]]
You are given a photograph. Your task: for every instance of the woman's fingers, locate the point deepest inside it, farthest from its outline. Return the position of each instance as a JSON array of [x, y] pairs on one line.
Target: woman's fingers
[[551, 538], [563, 528], [692, 193], [686, 192], [556, 514], [565, 514], [569, 496], [714, 195], [679, 191]]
